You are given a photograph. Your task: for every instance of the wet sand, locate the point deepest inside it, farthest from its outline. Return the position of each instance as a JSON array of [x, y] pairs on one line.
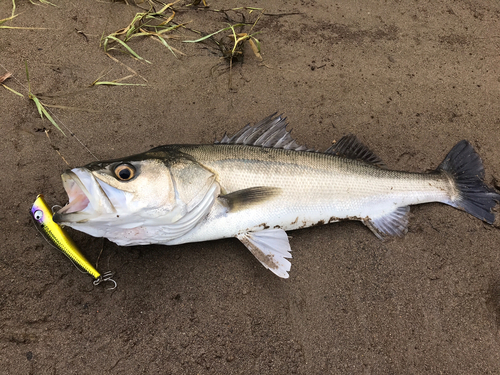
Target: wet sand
[[410, 79]]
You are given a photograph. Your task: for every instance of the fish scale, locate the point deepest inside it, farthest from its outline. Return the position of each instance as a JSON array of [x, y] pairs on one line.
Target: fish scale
[[311, 193]]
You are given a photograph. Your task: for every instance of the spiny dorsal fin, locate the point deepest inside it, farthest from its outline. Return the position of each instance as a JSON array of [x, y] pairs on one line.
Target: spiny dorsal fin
[[270, 132], [244, 198], [350, 146]]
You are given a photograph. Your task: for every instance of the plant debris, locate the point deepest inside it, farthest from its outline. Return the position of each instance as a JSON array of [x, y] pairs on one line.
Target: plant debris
[[39, 105], [151, 23], [231, 45]]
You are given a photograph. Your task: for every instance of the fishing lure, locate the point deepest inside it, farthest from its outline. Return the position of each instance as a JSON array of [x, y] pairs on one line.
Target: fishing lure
[[58, 238]]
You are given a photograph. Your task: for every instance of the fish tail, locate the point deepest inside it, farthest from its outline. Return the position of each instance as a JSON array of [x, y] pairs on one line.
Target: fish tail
[[464, 165]]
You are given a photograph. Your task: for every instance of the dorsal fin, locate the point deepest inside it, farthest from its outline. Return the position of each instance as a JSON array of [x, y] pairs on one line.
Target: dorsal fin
[[350, 146], [270, 132]]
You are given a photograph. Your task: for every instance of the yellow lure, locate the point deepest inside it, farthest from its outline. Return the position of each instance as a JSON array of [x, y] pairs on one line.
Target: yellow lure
[[57, 236]]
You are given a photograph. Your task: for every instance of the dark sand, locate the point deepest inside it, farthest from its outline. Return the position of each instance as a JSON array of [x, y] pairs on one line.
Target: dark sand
[[409, 78]]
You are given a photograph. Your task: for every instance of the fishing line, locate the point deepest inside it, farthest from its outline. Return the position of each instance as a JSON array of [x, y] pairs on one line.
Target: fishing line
[[53, 115]]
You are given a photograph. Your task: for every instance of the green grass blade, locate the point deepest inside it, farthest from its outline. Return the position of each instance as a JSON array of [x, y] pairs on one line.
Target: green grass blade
[[131, 28], [164, 42], [257, 43], [211, 35], [38, 104], [170, 28], [47, 2], [130, 50], [110, 83], [236, 41], [28, 77], [49, 117], [13, 91], [43, 112], [23, 28], [41, 109]]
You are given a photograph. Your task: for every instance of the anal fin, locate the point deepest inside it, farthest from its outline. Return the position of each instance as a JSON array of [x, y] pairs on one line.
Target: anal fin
[[394, 223], [271, 248]]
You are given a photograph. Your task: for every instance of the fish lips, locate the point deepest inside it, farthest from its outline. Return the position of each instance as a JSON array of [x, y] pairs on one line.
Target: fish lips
[[87, 199]]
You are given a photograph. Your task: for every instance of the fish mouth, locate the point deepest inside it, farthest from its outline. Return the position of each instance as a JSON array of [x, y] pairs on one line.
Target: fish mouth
[[87, 200]]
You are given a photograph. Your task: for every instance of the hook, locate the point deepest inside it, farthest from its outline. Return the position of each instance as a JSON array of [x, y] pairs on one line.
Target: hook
[[56, 207], [107, 276]]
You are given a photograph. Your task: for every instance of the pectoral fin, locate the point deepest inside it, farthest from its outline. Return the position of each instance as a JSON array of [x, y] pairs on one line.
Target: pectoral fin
[[270, 247], [245, 198]]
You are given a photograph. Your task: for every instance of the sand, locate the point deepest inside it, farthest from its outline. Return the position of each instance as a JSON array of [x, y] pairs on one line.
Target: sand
[[409, 78]]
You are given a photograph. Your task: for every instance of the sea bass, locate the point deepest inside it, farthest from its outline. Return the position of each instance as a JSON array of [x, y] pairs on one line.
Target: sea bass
[[258, 184]]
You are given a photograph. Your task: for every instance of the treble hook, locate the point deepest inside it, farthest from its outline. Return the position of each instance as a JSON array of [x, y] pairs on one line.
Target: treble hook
[[107, 276]]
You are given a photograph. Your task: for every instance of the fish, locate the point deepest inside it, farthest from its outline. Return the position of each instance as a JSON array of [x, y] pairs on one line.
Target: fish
[[258, 184], [57, 237]]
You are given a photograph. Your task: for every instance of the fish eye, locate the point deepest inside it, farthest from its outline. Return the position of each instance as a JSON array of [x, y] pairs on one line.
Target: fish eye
[[38, 214], [125, 172]]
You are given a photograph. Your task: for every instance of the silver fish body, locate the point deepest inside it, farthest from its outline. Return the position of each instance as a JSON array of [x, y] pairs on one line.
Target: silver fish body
[[255, 186], [314, 188]]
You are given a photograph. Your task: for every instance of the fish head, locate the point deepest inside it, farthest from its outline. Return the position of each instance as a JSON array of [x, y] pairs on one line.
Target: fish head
[[125, 199]]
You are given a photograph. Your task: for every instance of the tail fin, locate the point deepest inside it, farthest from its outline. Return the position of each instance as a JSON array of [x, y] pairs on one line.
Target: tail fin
[[466, 168]]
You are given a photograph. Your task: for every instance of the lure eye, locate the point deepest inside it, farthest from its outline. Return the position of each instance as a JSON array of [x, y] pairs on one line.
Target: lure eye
[[38, 215], [125, 172]]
